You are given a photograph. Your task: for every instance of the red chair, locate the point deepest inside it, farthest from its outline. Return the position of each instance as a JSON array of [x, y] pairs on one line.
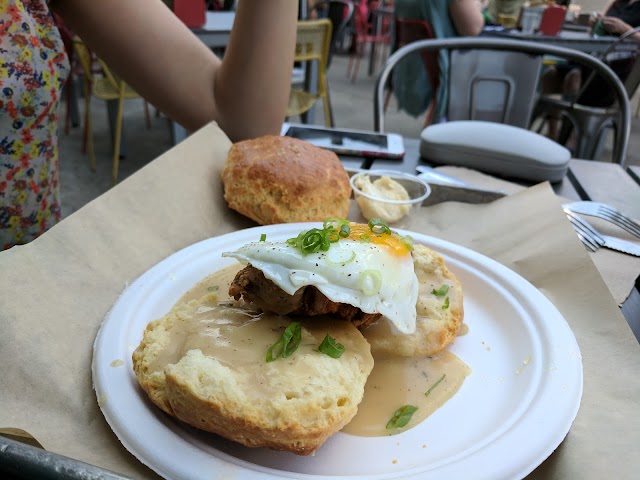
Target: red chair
[[366, 33], [409, 30]]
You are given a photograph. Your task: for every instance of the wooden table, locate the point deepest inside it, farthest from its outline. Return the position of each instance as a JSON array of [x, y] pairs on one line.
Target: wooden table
[[586, 180], [170, 204]]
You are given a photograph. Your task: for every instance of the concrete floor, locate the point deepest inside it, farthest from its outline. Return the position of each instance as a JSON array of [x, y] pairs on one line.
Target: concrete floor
[[352, 105]]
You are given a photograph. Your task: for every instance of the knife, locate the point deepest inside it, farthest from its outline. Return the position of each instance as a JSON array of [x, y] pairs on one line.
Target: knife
[[584, 229], [445, 188], [624, 246]]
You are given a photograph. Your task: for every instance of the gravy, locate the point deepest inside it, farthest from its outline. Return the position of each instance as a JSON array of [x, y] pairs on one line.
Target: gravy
[[394, 382]]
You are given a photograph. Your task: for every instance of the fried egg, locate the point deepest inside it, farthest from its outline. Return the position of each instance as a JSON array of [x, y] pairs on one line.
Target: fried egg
[[371, 271]]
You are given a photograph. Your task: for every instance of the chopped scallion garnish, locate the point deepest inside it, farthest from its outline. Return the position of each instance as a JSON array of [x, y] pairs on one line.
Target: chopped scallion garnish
[[263, 237], [446, 303], [370, 282], [377, 225], [330, 347], [317, 239], [426, 394], [442, 291], [401, 416], [286, 344]]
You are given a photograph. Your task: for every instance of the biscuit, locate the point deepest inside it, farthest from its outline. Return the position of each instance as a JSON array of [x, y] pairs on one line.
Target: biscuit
[[437, 323], [275, 179], [204, 363]]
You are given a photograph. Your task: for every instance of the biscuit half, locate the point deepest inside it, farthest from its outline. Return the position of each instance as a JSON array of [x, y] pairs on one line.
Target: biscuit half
[[439, 317], [293, 404]]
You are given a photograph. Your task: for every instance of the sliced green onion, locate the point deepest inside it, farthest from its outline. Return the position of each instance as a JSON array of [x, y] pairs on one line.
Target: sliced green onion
[[407, 240], [426, 394], [263, 237], [370, 282], [316, 239], [212, 288], [446, 303], [345, 230], [330, 347], [377, 225], [332, 236], [364, 237], [286, 344], [313, 241], [442, 291], [401, 416], [332, 222], [335, 260]]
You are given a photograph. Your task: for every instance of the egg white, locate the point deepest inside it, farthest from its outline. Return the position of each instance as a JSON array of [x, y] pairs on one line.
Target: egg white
[[365, 275]]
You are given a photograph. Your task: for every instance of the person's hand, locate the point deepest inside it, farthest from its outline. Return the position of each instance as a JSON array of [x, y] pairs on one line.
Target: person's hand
[[615, 25], [594, 18]]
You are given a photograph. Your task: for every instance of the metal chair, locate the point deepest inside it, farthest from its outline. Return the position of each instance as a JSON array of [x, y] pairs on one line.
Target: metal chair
[[590, 122], [367, 33], [312, 45], [340, 12], [535, 51]]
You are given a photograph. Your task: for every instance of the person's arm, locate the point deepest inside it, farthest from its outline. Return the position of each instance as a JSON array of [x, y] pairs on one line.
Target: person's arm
[[247, 93], [618, 27], [467, 17], [606, 9]]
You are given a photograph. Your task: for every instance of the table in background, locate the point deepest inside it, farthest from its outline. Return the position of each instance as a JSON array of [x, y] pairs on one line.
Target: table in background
[[216, 31], [586, 180], [577, 40]]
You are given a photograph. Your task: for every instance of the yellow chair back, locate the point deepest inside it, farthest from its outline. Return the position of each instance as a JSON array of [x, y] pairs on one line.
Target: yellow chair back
[[313, 42], [84, 57]]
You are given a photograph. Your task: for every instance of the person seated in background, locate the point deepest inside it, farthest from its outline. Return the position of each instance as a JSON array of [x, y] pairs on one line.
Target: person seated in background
[[498, 9], [448, 18], [246, 93], [619, 17]]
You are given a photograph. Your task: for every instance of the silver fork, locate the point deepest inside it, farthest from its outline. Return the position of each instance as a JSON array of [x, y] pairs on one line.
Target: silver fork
[[605, 212], [589, 237]]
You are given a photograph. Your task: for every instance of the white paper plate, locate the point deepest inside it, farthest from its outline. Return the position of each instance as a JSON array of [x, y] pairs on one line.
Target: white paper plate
[[510, 414]]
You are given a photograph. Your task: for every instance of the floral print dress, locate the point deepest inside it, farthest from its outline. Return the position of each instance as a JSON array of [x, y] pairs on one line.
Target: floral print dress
[[33, 69]]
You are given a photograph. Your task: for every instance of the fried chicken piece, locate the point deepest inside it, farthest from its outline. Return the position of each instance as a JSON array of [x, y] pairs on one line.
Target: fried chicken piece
[[252, 286]]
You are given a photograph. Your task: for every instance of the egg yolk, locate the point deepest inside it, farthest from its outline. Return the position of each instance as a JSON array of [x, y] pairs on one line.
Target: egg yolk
[[394, 244]]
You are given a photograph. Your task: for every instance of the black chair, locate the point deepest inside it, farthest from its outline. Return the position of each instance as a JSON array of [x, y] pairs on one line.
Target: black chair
[[535, 51]]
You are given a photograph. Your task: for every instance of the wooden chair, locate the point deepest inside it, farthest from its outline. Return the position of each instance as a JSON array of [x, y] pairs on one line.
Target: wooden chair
[[107, 87], [312, 45]]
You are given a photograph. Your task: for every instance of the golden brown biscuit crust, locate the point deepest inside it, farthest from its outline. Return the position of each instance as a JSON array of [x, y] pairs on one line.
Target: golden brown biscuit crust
[[275, 179], [437, 324]]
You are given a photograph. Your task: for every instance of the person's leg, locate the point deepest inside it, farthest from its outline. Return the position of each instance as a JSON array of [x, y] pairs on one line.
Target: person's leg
[[564, 79], [551, 82]]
